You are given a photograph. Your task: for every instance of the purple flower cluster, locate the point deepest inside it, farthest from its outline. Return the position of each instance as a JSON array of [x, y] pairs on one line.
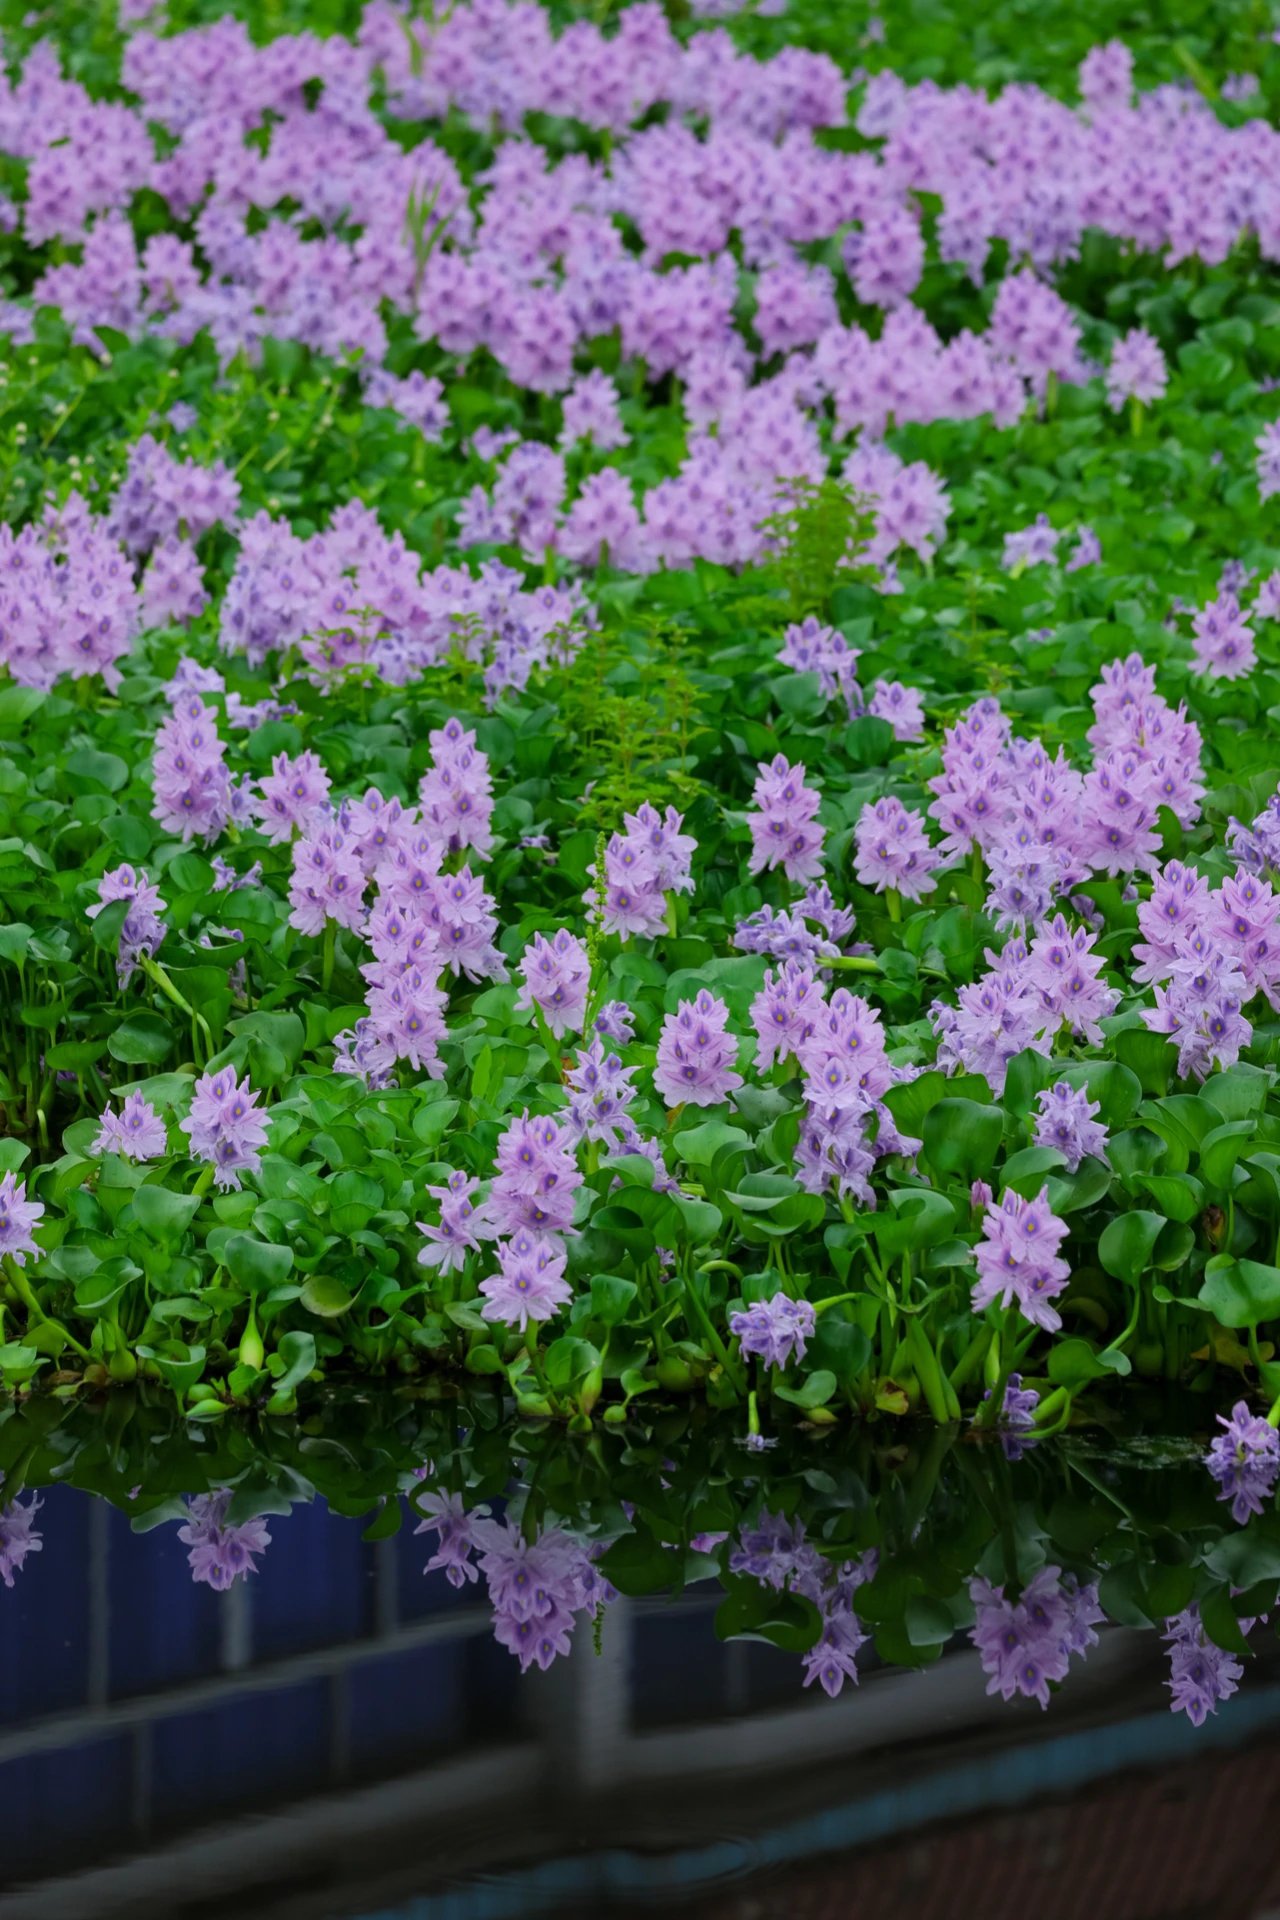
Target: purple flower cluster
[[18, 1536], [1017, 1259], [1200, 1673], [776, 1552], [142, 929], [784, 828], [193, 795], [555, 978], [1209, 951], [891, 849], [136, 1133], [1137, 370], [697, 1054], [642, 865], [225, 1127], [1244, 1459], [1026, 1645], [19, 1218], [1065, 1121], [221, 1553], [777, 1331]]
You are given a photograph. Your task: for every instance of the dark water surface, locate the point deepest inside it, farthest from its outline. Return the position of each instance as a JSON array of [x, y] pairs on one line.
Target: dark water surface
[[339, 1734]]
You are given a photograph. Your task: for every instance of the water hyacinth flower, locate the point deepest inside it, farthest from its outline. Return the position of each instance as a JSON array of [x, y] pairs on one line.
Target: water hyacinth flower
[[1017, 1417], [555, 978], [225, 1127], [454, 1527], [537, 1178], [784, 829], [221, 1553], [783, 1013], [18, 1536], [696, 1054], [891, 849], [19, 1217], [1244, 1459], [459, 1231], [1018, 1259], [1065, 1120], [776, 1330], [1027, 1645], [529, 1284], [1223, 640], [136, 1133], [142, 929], [1137, 370], [291, 794], [538, 1588], [1200, 1673]]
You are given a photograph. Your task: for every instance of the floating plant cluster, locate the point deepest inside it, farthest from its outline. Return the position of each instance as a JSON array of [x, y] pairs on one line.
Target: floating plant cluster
[[638, 668]]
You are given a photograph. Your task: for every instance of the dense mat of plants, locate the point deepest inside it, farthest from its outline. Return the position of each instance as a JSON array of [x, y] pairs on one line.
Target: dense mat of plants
[[636, 751]]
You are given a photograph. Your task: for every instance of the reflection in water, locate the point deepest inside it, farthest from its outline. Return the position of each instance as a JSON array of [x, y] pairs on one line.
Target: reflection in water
[[221, 1627]]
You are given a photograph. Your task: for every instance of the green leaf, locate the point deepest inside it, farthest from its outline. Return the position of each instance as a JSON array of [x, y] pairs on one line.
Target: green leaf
[[298, 1352], [639, 1564], [1221, 1148], [1240, 1293], [144, 1039], [1149, 1055], [324, 1294], [815, 1392], [259, 1266], [963, 1138], [164, 1215], [1126, 1245], [612, 1298]]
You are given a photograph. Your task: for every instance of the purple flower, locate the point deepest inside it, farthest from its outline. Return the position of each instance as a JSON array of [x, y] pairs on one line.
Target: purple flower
[[776, 1330], [783, 1012], [220, 1554], [18, 1537], [454, 1527], [529, 1284], [537, 1587], [458, 1233], [1223, 643], [555, 976], [1268, 463], [892, 850], [537, 1178], [1200, 1673], [19, 1217], [1065, 1121], [1026, 1645], [601, 1092], [1245, 1461], [784, 829], [1036, 545], [294, 791], [192, 786], [136, 1133], [456, 794], [1018, 1260], [142, 929], [696, 1054], [225, 1127], [328, 880], [1017, 1416], [615, 1022], [902, 707], [1137, 370]]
